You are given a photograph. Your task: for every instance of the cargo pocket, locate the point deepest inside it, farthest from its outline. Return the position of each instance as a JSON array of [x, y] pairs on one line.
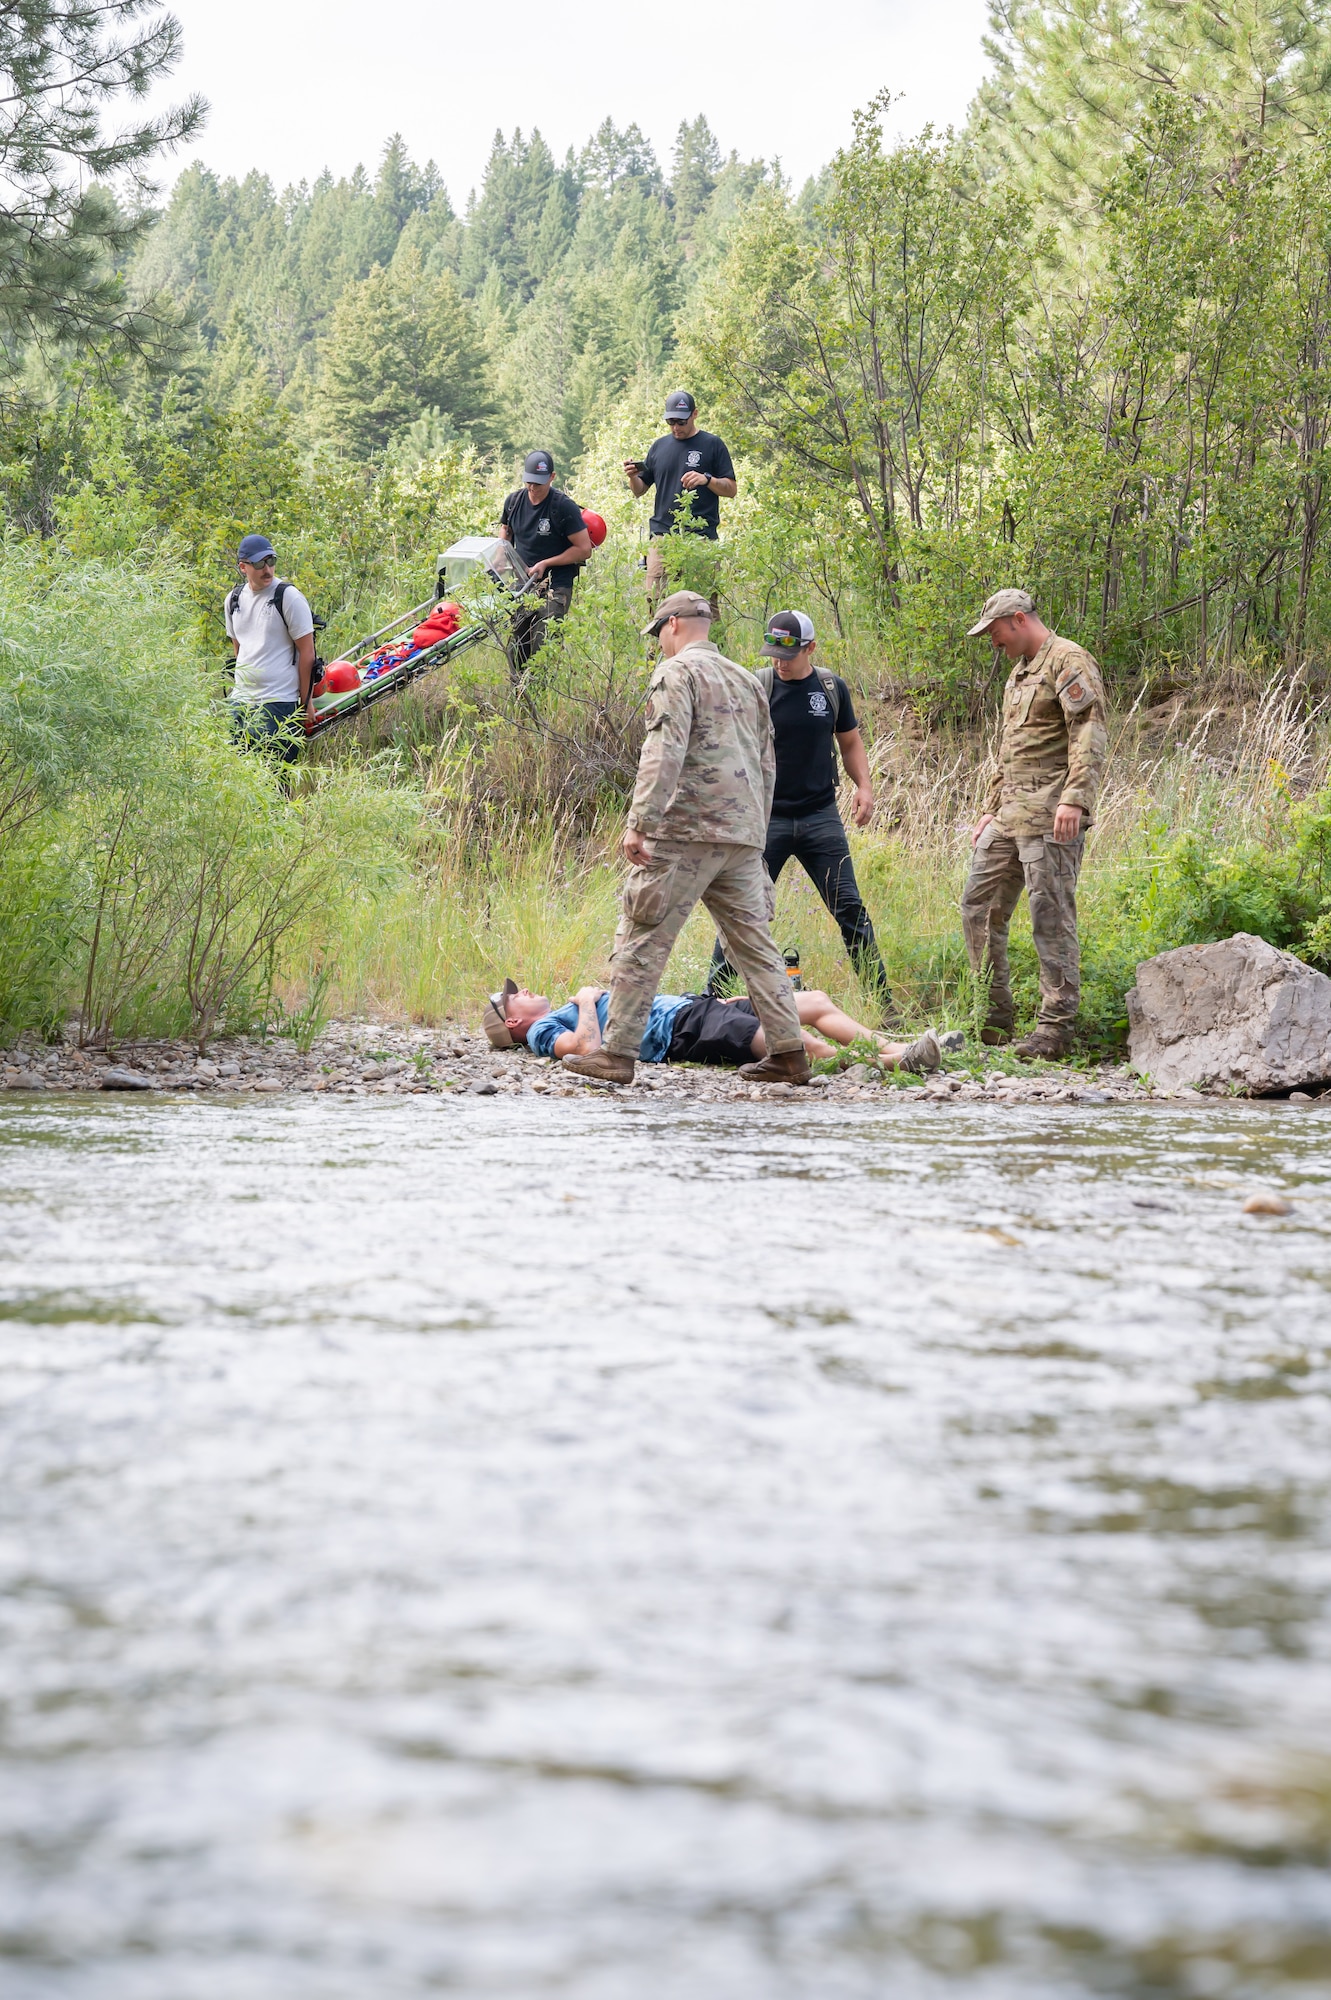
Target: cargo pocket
[[647, 894], [769, 893]]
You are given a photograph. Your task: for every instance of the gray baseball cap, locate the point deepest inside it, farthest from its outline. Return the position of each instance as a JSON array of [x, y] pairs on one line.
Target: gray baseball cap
[[492, 1017], [680, 406], [1003, 604], [537, 465]]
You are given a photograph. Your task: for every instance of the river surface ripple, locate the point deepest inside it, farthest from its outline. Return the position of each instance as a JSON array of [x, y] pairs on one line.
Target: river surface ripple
[[638, 1553]]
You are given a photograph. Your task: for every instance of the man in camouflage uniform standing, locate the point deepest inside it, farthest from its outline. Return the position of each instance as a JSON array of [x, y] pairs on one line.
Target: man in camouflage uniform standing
[[696, 831], [1032, 833]]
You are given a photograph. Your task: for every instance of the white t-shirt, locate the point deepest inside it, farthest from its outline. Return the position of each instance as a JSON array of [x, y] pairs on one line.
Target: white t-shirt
[[266, 663]]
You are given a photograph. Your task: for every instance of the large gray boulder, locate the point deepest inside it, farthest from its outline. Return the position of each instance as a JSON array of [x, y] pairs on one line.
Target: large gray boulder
[[1237, 1012]]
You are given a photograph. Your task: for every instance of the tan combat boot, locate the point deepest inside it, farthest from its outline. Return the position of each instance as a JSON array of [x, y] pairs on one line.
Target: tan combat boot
[[1048, 1041], [791, 1067], [603, 1065]]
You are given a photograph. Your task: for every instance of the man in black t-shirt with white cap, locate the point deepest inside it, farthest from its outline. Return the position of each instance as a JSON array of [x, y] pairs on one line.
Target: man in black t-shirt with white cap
[[547, 529], [692, 473], [812, 711]]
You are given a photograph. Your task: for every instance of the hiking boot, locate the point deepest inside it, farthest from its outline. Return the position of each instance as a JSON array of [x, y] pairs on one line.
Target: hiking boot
[[603, 1066], [953, 1042], [923, 1055], [1048, 1041], [994, 1036], [790, 1067]]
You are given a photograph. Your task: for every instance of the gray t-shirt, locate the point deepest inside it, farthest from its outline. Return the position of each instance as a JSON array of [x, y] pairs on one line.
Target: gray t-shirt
[[266, 663]]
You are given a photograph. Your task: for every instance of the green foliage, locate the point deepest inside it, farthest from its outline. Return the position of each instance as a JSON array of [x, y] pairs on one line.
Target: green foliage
[[401, 344], [87, 687]]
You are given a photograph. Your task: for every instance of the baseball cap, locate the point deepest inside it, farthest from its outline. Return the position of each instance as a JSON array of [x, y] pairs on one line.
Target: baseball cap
[[679, 406], [255, 548], [680, 604], [537, 465], [492, 1017], [1003, 604], [787, 632]]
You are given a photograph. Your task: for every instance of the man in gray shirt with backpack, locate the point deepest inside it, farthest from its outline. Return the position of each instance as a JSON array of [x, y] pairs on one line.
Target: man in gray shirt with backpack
[[811, 711], [271, 627]]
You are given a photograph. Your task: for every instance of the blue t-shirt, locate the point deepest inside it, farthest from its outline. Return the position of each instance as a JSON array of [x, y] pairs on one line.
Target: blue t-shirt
[[543, 1034]]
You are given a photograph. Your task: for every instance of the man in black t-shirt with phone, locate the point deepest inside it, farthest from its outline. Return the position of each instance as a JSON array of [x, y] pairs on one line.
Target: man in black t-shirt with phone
[[812, 710], [547, 529], [692, 473]]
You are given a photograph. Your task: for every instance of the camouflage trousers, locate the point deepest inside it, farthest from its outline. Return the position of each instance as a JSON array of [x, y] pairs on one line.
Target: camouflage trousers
[[1004, 864], [658, 897]]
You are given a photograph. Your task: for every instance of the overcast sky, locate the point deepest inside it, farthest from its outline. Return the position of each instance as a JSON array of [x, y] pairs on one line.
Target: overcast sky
[[305, 84]]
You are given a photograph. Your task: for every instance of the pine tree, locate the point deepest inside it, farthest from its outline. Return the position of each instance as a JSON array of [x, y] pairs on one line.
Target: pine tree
[[1075, 83], [697, 163], [399, 189], [401, 343], [503, 225], [63, 236], [612, 157]]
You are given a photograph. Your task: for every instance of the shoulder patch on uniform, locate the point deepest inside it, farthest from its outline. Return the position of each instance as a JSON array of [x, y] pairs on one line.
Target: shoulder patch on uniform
[[1077, 694], [1077, 681]]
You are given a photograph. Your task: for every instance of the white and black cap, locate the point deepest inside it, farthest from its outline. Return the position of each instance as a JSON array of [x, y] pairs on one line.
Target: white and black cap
[[787, 633]]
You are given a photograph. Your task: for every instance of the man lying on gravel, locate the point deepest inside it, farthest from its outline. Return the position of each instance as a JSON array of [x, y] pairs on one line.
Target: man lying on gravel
[[685, 1027]]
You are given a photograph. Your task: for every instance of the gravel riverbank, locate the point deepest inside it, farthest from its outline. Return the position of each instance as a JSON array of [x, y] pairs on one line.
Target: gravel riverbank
[[358, 1057]]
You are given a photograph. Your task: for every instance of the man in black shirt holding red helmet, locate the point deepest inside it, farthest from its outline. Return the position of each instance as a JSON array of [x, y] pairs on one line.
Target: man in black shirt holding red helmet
[[547, 529], [811, 711]]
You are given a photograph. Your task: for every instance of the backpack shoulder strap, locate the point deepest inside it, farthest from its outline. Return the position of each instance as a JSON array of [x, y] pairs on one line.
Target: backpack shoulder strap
[[765, 676], [280, 590], [234, 600]]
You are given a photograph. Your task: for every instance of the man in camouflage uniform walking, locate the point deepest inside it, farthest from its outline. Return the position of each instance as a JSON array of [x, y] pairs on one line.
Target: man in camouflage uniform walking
[[1032, 833], [696, 830]]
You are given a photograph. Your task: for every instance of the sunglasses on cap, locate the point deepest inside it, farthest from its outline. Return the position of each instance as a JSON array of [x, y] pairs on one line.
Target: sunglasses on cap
[[789, 642]]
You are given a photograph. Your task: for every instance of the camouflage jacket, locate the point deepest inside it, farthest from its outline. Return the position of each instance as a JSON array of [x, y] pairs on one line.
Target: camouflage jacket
[[1054, 741], [708, 767]]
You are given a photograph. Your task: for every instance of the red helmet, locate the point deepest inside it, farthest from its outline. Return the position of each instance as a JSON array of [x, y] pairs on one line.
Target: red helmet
[[595, 526]]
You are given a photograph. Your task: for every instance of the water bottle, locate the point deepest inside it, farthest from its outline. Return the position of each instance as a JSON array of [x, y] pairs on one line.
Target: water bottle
[[792, 959]]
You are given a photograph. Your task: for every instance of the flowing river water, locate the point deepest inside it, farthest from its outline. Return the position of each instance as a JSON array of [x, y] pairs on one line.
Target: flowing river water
[[635, 1552]]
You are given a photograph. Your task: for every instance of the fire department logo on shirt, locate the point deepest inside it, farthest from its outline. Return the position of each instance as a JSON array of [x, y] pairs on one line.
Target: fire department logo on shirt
[[695, 458], [543, 525], [818, 702]]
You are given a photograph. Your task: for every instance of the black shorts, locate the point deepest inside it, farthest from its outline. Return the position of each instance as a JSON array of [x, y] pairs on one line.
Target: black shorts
[[714, 1031]]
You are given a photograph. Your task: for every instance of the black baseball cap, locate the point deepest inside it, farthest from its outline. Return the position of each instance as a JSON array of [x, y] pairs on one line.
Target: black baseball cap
[[537, 465], [787, 633], [680, 406]]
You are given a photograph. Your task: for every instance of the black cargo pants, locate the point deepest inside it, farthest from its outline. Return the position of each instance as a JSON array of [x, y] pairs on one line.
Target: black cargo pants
[[818, 842]]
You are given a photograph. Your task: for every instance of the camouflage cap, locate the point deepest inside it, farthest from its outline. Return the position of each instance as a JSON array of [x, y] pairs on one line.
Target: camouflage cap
[[680, 604], [1003, 604], [492, 1017]]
